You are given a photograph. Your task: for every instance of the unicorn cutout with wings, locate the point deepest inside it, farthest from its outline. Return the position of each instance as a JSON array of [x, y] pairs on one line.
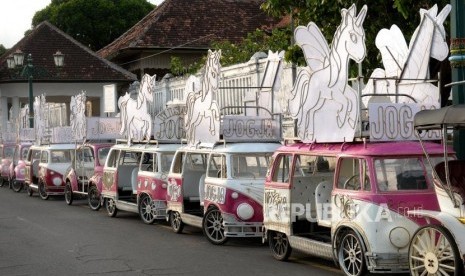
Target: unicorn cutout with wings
[[325, 106], [136, 122], [78, 117], [406, 67], [202, 108]]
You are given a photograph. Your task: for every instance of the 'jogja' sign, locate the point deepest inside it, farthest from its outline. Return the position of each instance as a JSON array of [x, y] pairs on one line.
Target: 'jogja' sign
[[245, 128], [394, 122], [168, 125]]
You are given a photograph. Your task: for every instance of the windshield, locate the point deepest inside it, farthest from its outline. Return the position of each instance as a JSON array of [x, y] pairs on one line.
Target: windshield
[[102, 155], [409, 173], [166, 159], [8, 152], [251, 165], [60, 156]]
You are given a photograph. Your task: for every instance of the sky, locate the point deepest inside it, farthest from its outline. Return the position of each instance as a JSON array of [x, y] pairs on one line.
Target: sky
[[16, 17]]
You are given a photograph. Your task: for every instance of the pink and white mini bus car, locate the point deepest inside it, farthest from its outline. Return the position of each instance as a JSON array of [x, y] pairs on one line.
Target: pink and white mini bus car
[[6, 159], [82, 178], [349, 202], [17, 167], [219, 189], [46, 166], [134, 179]]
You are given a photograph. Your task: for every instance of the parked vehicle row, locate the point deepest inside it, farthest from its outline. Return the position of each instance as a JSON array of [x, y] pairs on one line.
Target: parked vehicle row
[[367, 206]]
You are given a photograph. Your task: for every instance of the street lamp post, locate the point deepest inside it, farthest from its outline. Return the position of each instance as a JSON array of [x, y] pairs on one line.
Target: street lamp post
[[17, 60]]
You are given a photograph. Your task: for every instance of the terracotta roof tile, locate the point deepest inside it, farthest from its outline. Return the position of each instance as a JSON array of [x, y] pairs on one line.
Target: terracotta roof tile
[[192, 24], [80, 64]]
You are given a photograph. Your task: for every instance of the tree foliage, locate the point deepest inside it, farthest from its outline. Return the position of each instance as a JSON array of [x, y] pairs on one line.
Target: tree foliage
[[327, 16], [2, 50], [94, 23]]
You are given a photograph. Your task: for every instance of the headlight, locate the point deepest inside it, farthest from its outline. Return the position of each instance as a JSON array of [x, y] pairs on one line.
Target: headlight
[[399, 237], [245, 211], [57, 181]]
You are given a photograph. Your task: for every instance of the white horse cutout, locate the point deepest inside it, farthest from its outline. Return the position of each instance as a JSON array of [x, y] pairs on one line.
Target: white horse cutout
[[40, 108], [77, 116], [406, 68], [202, 108], [321, 97], [136, 122]]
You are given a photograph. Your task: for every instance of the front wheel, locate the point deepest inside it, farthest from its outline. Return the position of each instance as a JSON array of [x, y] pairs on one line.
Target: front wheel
[[42, 193], [110, 205], [2, 181], [213, 227], [279, 245], [176, 222], [16, 185], [147, 210], [93, 198], [433, 251], [68, 193], [351, 254]]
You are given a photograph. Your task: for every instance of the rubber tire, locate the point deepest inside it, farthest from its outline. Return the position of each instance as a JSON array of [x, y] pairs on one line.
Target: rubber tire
[[279, 245], [91, 195], [350, 236], [142, 213], [68, 193], [2, 181], [459, 268], [110, 206], [176, 222], [217, 225], [17, 186], [42, 193]]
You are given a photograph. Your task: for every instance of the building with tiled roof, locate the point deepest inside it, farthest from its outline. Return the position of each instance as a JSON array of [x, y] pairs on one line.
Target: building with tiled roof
[[184, 28], [83, 69]]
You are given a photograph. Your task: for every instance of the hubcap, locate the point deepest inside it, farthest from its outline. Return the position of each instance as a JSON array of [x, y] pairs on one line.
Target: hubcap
[[431, 262]]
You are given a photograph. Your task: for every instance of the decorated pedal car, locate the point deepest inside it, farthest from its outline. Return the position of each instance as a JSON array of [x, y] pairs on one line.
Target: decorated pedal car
[[7, 149], [17, 167], [83, 177], [51, 155], [353, 186], [216, 181], [135, 174]]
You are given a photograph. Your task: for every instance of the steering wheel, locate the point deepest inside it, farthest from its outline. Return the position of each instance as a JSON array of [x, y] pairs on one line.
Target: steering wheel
[[352, 183]]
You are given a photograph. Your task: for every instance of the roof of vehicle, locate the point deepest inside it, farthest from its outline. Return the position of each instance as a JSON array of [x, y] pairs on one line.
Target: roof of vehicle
[[148, 147], [236, 147], [54, 146], [452, 115], [246, 147], [365, 149], [97, 145]]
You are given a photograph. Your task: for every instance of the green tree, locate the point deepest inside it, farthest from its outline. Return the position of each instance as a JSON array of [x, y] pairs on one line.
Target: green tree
[[2, 50], [94, 23]]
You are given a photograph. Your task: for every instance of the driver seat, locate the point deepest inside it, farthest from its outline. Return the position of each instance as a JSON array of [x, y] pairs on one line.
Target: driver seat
[[323, 203]]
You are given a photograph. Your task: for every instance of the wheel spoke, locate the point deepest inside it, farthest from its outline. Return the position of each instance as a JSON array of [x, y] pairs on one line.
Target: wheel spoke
[[448, 267], [417, 258], [418, 267]]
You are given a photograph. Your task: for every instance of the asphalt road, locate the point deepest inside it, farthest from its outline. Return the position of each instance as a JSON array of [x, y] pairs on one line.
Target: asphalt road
[[39, 237]]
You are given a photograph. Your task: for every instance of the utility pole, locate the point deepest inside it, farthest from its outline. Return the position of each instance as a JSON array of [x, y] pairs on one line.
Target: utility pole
[[457, 49]]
